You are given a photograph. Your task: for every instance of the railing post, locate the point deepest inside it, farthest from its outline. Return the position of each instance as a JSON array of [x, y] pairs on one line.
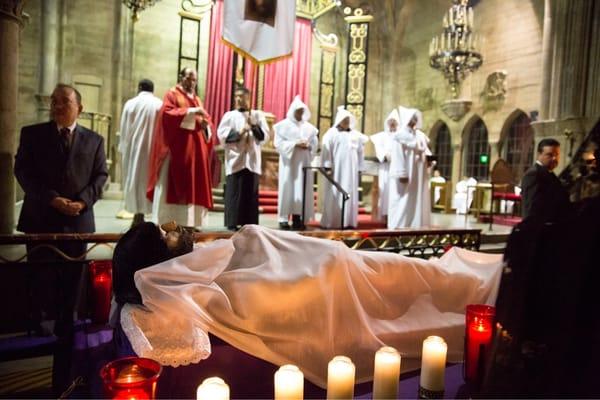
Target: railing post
[[304, 195]]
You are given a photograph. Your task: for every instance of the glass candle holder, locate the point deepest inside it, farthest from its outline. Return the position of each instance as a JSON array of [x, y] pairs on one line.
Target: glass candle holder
[[479, 329], [131, 378], [101, 278]]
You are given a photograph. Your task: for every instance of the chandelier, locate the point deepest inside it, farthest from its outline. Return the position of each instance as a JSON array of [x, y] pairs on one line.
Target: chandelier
[[455, 51], [138, 6]]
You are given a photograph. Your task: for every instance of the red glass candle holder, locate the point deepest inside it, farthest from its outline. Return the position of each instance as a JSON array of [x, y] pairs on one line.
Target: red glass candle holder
[[479, 329], [101, 277], [131, 378]]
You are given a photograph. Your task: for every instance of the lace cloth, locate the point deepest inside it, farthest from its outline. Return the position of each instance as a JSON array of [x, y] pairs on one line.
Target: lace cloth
[[160, 338]]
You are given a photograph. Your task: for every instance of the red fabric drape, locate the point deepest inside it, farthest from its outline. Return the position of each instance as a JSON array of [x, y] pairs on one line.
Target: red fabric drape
[[219, 73], [284, 79]]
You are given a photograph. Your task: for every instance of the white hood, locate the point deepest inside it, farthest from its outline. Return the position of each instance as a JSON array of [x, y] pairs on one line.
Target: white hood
[[406, 115], [393, 115], [343, 113], [296, 104]]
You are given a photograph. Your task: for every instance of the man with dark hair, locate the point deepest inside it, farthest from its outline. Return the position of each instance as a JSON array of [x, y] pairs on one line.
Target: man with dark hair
[[137, 128], [242, 132], [61, 167], [544, 197], [180, 182]]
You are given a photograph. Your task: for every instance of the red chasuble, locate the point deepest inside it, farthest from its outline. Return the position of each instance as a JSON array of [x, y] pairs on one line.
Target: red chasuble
[[189, 177]]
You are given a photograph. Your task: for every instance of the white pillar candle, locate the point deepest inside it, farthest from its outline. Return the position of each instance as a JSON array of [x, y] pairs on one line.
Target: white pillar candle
[[213, 389], [433, 363], [340, 378], [289, 383], [387, 373]]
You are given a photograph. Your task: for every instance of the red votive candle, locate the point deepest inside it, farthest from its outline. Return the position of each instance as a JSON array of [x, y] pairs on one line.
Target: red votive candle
[[101, 277], [131, 378], [479, 325]]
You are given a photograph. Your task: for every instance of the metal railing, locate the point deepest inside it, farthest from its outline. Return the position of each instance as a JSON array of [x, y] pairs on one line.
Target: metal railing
[[323, 171]]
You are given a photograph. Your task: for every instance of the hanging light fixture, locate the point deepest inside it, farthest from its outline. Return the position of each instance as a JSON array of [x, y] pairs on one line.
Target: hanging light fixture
[[137, 6], [455, 51]]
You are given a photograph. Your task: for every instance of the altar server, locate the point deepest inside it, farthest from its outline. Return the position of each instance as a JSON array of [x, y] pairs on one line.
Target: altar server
[[137, 126], [383, 145], [242, 131], [343, 152], [296, 142], [409, 201]]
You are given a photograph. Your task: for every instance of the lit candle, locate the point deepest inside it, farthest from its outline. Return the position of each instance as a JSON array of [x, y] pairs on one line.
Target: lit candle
[[433, 364], [480, 333], [213, 389], [289, 383], [442, 47], [340, 378], [451, 17], [445, 21], [387, 373]]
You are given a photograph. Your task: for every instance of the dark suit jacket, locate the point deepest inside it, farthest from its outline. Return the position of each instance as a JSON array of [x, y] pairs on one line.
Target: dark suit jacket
[[544, 197], [46, 171]]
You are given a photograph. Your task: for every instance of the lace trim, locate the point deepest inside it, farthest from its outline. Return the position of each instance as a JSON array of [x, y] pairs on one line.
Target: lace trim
[[150, 338]]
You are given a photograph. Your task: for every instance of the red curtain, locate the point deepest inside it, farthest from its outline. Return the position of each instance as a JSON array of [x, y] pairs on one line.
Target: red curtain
[[284, 79], [217, 98], [289, 77]]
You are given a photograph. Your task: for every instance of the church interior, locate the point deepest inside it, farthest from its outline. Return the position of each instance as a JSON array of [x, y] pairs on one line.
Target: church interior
[[494, 82]]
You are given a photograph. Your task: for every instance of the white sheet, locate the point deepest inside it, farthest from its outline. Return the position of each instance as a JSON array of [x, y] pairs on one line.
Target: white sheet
[[288, 298]]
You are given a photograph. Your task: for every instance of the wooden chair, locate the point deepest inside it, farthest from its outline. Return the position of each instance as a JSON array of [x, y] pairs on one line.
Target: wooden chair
[[503, 188]]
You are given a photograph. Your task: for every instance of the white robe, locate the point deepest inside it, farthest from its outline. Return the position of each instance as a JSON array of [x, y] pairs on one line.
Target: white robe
[[343, 152], [292, 159], [247, 152], [438, 189], [383, 145], [410, 203], [137, 128]]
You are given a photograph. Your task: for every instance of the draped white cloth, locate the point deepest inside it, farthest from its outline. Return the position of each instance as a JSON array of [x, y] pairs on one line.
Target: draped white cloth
[[137, 127], [410, 203], [383, 146], [288, 298], [288, 133], [343, 152]]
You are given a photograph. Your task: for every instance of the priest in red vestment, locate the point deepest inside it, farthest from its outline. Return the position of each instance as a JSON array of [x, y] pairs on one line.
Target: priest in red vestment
[[179, 183]]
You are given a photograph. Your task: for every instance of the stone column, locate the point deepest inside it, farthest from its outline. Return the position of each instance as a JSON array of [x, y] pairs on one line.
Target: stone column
[[566, 57], [49, 63], [11, 23]]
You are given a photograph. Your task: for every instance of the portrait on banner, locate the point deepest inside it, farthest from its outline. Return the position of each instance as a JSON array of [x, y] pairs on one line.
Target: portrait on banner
[[261, 11]]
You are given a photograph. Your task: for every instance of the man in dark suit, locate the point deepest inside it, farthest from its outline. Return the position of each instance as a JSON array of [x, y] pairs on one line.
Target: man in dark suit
[[544, 197], [61, 166]]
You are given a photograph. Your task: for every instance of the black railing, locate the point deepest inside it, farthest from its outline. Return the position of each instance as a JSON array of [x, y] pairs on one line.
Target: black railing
[[323, 171]]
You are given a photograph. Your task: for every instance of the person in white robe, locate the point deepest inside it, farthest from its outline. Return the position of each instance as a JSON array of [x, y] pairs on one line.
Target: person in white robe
[[383, 145], [296, 142], [342, 151], [137, 128], [409, 201], [242, 132], [465, 191]]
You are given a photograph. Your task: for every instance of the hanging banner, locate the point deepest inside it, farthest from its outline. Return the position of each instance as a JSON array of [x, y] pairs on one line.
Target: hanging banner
[[262, 30]]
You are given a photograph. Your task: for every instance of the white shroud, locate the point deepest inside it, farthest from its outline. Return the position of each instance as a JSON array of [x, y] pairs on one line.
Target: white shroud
[[288, 133], [292, 299]]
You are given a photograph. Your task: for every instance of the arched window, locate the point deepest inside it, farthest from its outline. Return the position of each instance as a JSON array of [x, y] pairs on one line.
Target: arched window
[[443, 151], [477, 156], [518, 146]]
